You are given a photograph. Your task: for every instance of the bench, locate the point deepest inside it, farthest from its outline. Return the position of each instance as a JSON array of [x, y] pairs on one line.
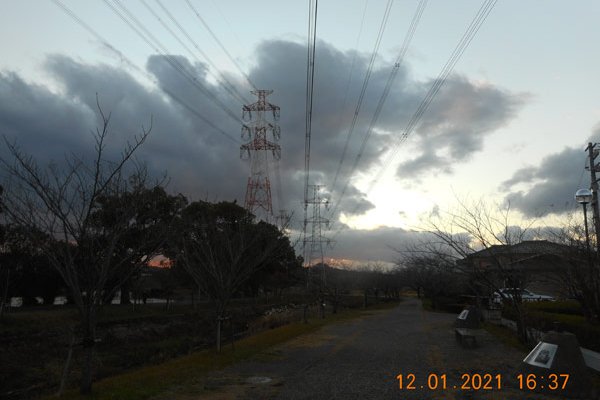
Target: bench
[[464, 336]]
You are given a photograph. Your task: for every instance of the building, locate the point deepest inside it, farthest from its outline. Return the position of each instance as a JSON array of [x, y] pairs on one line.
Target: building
[[538, 265]]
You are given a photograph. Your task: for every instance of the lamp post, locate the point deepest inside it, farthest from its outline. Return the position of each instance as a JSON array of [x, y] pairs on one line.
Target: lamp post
[[583, 197]]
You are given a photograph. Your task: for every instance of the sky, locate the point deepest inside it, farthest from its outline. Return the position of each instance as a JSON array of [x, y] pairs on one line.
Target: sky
[[510, 123]]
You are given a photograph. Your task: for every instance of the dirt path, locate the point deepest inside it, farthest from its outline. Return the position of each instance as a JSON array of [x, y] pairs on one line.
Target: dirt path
[[361, 359]]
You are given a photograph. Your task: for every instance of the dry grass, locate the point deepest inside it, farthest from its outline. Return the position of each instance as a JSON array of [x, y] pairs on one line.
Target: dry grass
[[180, 378]]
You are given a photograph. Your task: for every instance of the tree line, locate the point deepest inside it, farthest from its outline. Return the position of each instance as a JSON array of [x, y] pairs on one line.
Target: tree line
[[96, 223]]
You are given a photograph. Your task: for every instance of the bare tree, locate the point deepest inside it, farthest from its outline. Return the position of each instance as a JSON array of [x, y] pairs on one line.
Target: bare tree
[[65, 203], [475, 228], [431, 271], [578, 266], [221, 247]]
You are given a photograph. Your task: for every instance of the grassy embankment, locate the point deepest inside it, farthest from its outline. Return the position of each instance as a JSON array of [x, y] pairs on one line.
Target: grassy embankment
[[147, 382]]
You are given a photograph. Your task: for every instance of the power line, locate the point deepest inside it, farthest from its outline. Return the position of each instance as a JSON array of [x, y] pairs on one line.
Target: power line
[[220, 44], [396, 67], [448, 67], [219, 77], [363, 90], [157, 46], [130, 64], [353, 63], [310, 80], [235, 36], [463, 44]]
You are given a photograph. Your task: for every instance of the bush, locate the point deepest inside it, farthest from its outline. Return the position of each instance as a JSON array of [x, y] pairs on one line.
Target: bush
[[570, 307], [543, 316], [587, 334]]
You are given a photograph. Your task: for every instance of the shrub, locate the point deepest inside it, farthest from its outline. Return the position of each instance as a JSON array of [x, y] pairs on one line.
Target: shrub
[[571, 307], [539, 317]]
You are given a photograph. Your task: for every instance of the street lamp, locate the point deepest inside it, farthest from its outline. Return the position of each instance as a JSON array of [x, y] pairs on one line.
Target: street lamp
[[584, 196]]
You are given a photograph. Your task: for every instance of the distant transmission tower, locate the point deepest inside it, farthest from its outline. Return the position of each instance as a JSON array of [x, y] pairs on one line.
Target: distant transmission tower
[[315, 243], [258, 191]]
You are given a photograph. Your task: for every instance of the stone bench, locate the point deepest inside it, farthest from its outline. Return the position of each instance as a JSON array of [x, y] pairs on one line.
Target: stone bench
[[466, 337]]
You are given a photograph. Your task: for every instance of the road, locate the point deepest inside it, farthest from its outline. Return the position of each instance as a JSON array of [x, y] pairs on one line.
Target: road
[[361, 359]]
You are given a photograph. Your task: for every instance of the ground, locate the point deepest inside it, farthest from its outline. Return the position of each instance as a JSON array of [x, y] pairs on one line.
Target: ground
[[361, 359]]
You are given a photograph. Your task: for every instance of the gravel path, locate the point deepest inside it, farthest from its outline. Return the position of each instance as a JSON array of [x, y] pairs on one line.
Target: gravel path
[[360, 359]]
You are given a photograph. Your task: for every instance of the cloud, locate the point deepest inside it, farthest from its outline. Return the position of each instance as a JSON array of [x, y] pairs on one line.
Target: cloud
[[203, 163], [551, 185], [41, 122], [372, 245], [456, 124]]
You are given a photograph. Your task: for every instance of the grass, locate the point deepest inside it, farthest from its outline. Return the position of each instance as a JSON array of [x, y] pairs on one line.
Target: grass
[[147, 382], [506, 336], [37, 319], [570, 307]]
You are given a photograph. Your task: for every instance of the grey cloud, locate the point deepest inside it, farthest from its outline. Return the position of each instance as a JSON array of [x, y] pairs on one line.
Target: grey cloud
[[39, 121], [456, 124], [375, 245], [204, 164], [551, 185], [428, 161], [519, 176]]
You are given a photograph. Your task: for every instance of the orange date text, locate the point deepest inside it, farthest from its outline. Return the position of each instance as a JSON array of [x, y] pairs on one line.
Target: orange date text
[[440, 382]]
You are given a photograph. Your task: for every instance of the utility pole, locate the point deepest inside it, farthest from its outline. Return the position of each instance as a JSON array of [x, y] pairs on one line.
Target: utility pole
[[593, 167], [258, 189]]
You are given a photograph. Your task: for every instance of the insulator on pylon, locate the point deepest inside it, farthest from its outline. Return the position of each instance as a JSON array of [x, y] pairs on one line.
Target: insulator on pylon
[[276, 132], [246, 132], [246, 113], [277, 153], [276, 114], [245, 153]]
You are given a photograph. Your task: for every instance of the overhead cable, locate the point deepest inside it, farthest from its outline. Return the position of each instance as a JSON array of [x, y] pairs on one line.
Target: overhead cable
[[352, 65], [363, 90], [219, 77], [395, 68], [310, 80], [131, 65], [216, 39], [467, 37], [157, 46], [465, 41]]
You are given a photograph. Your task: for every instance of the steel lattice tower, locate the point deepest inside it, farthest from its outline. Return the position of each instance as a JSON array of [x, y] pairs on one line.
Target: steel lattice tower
[[258, 190], [314, 245]]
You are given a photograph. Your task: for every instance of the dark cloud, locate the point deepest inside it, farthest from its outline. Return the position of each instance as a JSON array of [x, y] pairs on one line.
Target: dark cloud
[[202, 163], [375, 244], [44, 124], [456, 124], [551, 185]]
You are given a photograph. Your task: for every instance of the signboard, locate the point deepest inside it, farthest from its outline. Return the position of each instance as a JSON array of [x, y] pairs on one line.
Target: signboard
[[542, 355], [463, 315]]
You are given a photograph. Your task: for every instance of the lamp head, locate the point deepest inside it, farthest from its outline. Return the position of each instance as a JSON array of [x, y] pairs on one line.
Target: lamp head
[[583, 196]]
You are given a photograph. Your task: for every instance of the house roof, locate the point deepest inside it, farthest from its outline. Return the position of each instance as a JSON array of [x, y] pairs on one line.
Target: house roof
[[527, 247]]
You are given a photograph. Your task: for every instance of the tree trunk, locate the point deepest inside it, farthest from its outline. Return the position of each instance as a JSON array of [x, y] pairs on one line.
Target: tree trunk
[[322, 307], [86, 373], [89, 335], [219, 334], [304, 314], [125, 292], [67, 366], [335, 301], [5, 294], [521, 324]]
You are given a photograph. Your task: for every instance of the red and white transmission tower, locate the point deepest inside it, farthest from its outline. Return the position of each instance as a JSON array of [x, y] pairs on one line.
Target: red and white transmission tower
[[258, 191]]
